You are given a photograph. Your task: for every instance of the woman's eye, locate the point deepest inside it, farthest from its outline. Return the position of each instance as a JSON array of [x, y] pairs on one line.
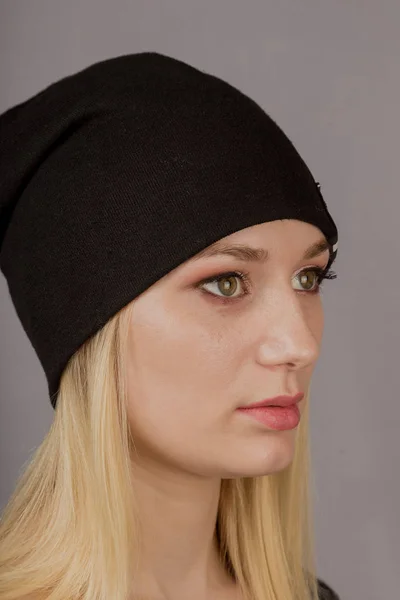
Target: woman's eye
[[313, 284], [226, 285], [309, 280]]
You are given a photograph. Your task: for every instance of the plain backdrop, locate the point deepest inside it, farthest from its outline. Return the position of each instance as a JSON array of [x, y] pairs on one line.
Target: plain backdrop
[[329, 73]]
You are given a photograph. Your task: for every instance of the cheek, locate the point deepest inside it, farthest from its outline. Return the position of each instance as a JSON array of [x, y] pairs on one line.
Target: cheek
[[180, 373], [317, 322]]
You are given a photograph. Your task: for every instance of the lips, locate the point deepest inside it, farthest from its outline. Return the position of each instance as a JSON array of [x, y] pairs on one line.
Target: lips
[[281, 401]]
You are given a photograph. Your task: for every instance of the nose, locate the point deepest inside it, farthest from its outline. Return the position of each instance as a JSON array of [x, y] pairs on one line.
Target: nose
[[292, 331]]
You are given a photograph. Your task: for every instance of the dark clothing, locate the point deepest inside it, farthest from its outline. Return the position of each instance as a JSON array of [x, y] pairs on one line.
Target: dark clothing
[[325, 592]]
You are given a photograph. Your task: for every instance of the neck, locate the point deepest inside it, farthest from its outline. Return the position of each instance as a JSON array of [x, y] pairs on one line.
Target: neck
[[178, 516]]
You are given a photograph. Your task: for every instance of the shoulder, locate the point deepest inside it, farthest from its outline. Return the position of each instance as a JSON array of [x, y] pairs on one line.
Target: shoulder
[[325, 592]]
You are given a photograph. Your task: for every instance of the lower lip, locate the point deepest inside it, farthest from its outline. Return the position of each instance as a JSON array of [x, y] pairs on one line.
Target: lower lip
[[275, 417]]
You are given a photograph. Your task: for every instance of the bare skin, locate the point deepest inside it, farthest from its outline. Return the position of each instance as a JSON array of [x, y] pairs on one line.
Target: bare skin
[[192, 360]]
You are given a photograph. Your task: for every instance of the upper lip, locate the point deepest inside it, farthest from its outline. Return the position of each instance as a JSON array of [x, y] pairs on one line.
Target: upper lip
[[277, 401]]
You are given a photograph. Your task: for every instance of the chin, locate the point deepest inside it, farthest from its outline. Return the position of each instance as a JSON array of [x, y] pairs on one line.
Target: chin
[[258, 457]]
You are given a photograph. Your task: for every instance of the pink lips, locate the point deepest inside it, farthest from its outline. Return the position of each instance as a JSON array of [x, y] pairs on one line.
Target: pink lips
[[277, 401], [278, 413]]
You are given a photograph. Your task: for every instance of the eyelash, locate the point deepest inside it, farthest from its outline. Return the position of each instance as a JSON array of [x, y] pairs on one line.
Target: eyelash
[[321, 274]]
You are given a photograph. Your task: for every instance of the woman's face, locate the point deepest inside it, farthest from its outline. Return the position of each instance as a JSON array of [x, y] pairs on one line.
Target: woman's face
[[199, 351]]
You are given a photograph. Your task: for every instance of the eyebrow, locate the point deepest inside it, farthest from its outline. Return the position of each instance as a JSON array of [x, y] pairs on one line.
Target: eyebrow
[[248, 253]]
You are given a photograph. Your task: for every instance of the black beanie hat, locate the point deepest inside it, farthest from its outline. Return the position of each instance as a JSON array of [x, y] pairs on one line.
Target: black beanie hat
[[114, 176]]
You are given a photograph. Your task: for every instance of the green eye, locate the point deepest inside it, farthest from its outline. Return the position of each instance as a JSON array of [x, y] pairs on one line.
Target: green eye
[[226, 284], [308, 279], [311, 279]]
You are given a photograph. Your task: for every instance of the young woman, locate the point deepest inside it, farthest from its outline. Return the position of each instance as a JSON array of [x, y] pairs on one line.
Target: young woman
[[164, 245]]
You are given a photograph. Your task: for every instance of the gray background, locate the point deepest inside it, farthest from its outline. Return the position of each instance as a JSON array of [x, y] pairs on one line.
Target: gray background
[[328, 72]]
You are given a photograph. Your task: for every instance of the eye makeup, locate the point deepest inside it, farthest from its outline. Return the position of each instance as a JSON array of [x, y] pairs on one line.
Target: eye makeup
[[319, 273]]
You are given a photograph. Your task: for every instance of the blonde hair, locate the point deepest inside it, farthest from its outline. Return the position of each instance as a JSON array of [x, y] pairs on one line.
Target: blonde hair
[[71, 529]]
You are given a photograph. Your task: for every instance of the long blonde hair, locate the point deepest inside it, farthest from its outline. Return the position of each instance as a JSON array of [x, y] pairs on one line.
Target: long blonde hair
[[71, 529]]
